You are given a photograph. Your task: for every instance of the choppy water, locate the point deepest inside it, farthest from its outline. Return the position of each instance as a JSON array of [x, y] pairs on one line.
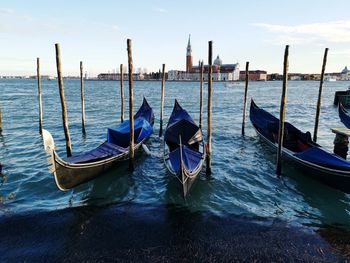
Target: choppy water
[[243, 180]]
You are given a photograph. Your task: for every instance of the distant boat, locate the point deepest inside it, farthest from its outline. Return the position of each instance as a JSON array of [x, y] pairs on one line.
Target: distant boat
[[330, 79], [73, 171], [184, 150], [298, 147], [233, 84]]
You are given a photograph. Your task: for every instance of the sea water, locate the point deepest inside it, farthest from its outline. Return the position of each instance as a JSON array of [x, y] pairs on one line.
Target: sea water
[[243, 182]]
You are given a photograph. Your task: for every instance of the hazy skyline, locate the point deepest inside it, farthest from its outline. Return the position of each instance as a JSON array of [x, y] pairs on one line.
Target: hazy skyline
[[96, 33]]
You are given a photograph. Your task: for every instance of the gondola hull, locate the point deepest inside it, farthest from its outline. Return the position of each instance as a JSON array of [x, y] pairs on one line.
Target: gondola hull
[[184, 150], [335, 177], [76, 170], [186, 177], [68, 176], [342, 97], [344, 115]]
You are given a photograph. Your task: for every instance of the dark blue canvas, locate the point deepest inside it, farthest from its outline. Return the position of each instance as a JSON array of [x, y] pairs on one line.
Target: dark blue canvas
[[181, 125], [321, 157], [146, 112], [179, 114], [298, 142], [118, 139], [120, 135], [190, 158], [103, 151], [182, 132], [268, 125]]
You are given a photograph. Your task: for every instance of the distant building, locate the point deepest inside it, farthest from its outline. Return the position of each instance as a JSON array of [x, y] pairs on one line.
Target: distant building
[[258, 75], [189, 56], [116, 76], [295, 77], [177, 75]]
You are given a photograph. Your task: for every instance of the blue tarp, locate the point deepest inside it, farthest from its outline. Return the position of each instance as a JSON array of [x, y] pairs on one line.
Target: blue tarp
[[120, 135], [179, 114], [191, 158], [267, 124], [188, 131], [146, 112], [181, 124], [319, 156], [103, 151]]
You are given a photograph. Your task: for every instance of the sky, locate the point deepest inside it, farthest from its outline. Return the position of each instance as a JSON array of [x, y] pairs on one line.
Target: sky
[[96, 32]]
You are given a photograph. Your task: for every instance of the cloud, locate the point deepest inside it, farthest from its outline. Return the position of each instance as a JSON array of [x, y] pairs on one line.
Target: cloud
[[344, 52], [290, 40], [333, 32], [115, 27], [160, 10]]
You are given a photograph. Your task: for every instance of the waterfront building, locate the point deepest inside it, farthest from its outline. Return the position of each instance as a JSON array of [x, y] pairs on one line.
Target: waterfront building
[[258, 75], [177, 75], [116, 76]]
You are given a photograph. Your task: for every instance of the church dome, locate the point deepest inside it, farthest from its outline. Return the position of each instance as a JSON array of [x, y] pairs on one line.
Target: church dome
[[218, 61], [345, 70]]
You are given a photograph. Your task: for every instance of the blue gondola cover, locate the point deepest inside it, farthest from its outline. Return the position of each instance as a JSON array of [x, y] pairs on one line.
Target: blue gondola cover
[[120, 135], [181, 124], [183, 137], [320, 164], [103, 151], [267, 124], [118, 139], [321, 157], [190, 158]]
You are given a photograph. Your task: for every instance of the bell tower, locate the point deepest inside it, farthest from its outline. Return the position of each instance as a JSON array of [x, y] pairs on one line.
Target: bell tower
[[189, 56]]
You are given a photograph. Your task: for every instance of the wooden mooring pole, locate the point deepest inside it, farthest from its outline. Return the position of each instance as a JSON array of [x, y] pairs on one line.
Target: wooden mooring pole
[[39, 96], [63, 101], [282, 111], [245, 94], [122, 93], [82, 98], [162, 102], [131, 110], [210, 92], [318, 109], [0, 120], [201, 95]]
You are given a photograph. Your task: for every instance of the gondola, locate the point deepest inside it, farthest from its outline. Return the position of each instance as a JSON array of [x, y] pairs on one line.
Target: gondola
[[343, 97], [344, 115], [298, 147], [184, 149], [73, 171]]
